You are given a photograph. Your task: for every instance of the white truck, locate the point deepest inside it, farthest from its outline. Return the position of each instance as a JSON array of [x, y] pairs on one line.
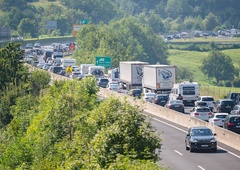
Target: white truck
[[113, 75], [97, 71], [131, 74], [158, 78], [68, 62], [188, 90], [84, 68]]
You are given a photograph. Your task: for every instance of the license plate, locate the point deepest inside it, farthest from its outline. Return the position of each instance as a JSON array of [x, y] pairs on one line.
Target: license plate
[[204, 145], [177, 106]]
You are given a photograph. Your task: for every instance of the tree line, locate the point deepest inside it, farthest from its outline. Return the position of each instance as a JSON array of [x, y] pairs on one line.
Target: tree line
[[28, 18]]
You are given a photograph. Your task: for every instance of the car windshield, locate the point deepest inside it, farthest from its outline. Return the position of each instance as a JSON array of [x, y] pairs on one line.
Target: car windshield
[[113, 86], [162, 97], [203, 110], [234, 120], [201, 132], [221, 116], [175, 102], [150, 94], [207, 99], [104, 80], [227, 103]]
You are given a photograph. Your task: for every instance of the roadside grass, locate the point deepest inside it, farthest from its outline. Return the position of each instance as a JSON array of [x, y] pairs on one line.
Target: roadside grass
[[193, 61]]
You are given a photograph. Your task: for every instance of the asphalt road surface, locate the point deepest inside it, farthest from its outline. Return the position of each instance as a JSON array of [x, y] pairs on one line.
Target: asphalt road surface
[[174, 155]]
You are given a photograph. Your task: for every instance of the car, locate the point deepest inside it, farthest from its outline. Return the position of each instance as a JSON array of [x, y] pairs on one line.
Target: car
[[217, 119], [201, 112], [102, 82], [113, 87], [223, 106], [235, 110], [232, 123], [46, 66], [40, 65], [29, 46], [176, 105], [35, 63], [232, 96], [149, 97], [208, 99], [47, 54], [76, 68], [37, 45], [76, 75], [161, 99], [55, 69], [135, 93], [200, 138]]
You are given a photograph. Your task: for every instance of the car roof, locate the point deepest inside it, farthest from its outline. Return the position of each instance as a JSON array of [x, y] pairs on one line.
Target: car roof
[[199, 127], [162, 95], [225, 99], [206, 96], [220, 113]]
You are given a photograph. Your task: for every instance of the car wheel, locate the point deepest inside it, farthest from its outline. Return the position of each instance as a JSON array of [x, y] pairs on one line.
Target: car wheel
[[191, 149], [215, 150]]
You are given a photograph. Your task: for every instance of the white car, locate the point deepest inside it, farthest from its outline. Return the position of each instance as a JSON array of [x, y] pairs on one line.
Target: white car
[[149, 97], [208, 99], [202, 113], [217, 119], [113, 87]]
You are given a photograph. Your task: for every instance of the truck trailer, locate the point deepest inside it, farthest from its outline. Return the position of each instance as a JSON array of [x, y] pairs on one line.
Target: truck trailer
[[131, 74], [158, 78]]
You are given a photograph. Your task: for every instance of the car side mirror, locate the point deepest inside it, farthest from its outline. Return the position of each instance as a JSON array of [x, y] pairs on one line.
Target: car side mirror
[[214, 134], [188, 134]]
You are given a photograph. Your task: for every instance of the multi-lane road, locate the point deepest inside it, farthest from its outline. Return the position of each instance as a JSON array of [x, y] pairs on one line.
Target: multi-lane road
[[174, 155]]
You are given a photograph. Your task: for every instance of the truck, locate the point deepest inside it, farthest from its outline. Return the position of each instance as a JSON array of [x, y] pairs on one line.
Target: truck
[[84, 68], [97, 71], [131, 74], [67, 62], [188, 90], [113, 75], [158, 78]]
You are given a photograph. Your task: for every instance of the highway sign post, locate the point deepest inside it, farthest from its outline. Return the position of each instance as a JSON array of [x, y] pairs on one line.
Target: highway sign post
[[104, 61]]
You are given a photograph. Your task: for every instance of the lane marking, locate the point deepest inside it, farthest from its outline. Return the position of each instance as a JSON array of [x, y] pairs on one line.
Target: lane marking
[[186, 133], [178, 152], [200, 167]]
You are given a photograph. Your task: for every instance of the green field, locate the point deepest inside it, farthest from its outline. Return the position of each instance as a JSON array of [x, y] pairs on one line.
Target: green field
[[193, 60]]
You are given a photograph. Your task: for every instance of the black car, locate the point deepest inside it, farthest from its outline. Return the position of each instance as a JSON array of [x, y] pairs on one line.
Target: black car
[[232, 123], [176, 105], [47, 55], [161, 99], [55, 69], [135, 93], [102, 82], [200, 138], [29, 46], [223, 106]]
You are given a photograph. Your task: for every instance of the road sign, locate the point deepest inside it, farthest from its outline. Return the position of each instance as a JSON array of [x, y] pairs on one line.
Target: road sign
[[104, 61], [69, 70]]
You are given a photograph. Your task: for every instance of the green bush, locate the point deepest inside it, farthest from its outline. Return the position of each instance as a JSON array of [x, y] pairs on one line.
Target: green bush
[[228, 84], [236, 82]]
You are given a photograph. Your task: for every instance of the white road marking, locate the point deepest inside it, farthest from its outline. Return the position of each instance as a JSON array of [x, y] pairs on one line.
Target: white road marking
[[200, 167], [186, 132], [178, 152]]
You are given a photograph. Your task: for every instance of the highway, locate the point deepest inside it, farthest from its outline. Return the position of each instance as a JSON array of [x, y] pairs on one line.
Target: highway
[[174, 155]]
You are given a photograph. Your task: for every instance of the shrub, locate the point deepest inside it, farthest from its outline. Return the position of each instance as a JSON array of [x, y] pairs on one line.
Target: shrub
[[236, 82], [228, 84], [220, 84]]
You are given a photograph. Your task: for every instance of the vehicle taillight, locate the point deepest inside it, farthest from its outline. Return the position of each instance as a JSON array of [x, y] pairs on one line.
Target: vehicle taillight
[[230, 124], [170, 106], [110, 89], [210, 113], [196, 114], [156, 101], [215, 120]]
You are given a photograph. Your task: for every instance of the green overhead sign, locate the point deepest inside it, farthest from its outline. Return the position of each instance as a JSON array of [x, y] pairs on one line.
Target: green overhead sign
[[104, 61]]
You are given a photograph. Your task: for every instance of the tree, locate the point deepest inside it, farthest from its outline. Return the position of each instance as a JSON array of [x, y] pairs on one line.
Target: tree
[[218, 66], [211, 21], [28, 26]]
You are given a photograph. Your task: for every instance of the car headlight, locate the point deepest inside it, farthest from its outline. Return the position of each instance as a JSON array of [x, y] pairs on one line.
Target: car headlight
[[213, 140], [193, 140]]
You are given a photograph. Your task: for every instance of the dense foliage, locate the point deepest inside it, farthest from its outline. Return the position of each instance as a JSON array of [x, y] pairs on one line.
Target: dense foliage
[[161, 15]]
